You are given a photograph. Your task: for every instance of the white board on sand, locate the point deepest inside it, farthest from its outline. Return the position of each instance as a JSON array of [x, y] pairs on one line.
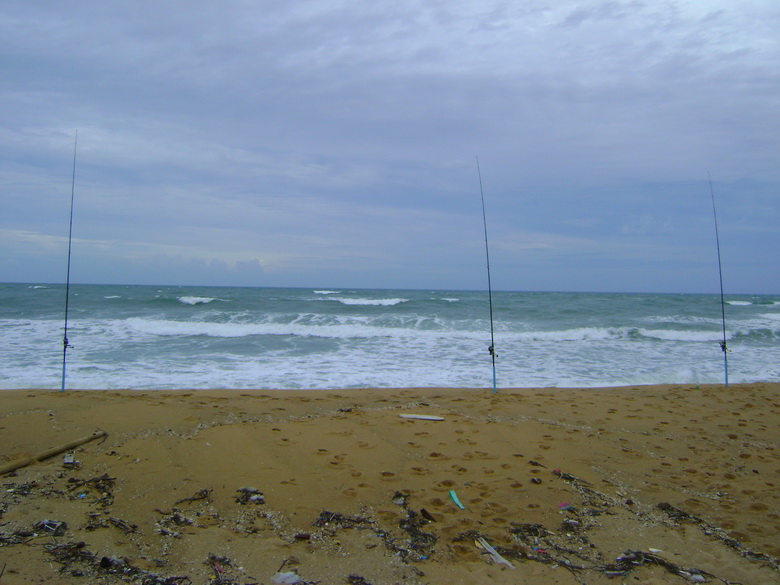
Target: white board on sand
[[422, 416]]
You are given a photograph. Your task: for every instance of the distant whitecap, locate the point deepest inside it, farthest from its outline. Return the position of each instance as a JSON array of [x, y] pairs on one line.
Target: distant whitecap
[[371, 302], [196, 300]]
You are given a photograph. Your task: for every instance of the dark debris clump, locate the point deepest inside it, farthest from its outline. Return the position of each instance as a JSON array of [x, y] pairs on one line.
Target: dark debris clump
[[77, 559], [336, 520], [102, 485]]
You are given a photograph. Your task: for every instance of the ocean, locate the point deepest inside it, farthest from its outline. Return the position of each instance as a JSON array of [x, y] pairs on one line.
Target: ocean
[[166, 337]]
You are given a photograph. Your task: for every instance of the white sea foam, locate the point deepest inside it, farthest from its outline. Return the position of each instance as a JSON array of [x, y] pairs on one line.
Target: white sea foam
[[197, 300], [281, 338], [369, 302], [342, 328], [578, 334], [684, 320], [739, 303], [677, 335]]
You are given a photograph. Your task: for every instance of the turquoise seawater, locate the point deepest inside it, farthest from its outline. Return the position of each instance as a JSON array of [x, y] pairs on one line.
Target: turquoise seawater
[[164, 337]]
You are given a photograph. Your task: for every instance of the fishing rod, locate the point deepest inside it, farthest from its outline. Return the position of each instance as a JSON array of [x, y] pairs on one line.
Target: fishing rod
[[492, 348], [723, 345], [65, 344]]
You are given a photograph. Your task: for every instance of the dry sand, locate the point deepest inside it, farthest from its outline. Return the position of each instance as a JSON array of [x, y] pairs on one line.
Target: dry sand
[[652, 484]]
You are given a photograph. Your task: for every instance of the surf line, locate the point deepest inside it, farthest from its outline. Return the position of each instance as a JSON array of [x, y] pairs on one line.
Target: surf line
[[723, 345], [492, 348], [65, 344]]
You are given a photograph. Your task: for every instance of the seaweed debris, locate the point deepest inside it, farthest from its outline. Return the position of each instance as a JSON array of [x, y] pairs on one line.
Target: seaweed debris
[[79, 561], [678, 515]]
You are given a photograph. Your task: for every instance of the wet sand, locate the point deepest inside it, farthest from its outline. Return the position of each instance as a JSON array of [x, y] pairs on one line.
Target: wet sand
[[650, 484]]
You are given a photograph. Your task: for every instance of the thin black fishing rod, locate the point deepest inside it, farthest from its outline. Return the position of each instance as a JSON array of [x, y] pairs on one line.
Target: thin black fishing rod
[[492, 348], [65, 344], [723, 345]]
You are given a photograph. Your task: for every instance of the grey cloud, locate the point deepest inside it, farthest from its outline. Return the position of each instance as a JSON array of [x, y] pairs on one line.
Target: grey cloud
[[311, 133]]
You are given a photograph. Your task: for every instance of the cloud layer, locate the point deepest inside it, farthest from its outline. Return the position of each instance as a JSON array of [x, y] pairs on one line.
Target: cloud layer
[[329, 143]]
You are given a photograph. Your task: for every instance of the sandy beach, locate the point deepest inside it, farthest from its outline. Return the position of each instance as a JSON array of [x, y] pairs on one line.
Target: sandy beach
[[646, 484]]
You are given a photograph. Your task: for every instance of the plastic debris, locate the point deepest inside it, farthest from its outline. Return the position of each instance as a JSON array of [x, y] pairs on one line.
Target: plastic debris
[[399, 498], [422, 417], [53, 527], [455, 499], [69, 461], [494, 553], [286, 578], [250, 495]]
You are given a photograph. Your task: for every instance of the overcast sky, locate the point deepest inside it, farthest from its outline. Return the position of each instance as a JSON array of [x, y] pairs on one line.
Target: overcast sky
[[334, 144]]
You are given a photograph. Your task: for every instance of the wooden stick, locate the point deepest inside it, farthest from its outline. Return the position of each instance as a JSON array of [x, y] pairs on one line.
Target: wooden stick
[[43, 455]]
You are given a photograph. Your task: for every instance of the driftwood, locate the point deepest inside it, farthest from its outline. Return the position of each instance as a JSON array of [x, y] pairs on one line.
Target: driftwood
[[14, 465]]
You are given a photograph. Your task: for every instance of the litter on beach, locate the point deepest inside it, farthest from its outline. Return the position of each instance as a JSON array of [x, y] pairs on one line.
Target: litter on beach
[[494, 553]]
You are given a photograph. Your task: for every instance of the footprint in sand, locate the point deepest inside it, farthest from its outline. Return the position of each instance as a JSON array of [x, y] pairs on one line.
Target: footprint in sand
[[477, 455], [389, 517], [338, 461]]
